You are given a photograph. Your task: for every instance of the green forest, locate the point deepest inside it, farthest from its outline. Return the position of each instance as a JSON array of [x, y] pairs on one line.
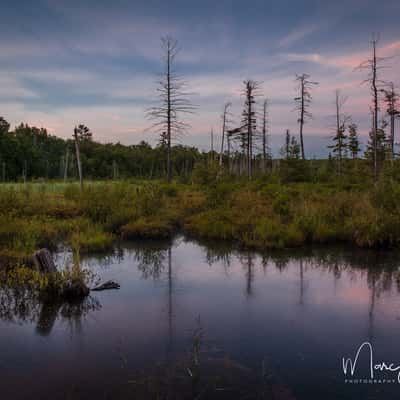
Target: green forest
[[31, 153]]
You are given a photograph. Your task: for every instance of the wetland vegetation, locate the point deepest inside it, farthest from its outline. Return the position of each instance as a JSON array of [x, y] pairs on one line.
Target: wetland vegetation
[[261, 214]]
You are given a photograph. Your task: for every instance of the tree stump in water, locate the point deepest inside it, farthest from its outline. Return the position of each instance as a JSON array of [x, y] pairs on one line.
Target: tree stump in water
[[43, 261], [75, 290]]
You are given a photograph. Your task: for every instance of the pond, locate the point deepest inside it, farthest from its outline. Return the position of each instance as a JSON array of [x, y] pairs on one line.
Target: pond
[[207, 321]]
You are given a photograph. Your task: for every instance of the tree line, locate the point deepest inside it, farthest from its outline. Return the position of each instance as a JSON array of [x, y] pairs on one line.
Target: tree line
[[30, 152], [245, 147]]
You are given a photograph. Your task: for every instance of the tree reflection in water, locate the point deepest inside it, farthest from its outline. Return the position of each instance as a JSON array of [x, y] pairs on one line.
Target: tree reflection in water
[[214, 371], [20, 306]]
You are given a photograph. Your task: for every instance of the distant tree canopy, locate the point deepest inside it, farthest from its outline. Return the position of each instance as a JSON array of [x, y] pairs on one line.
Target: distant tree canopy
[[31, 150], [4, 126]]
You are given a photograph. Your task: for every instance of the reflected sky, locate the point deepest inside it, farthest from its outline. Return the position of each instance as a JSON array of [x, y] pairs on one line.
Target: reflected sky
[[295, 313]]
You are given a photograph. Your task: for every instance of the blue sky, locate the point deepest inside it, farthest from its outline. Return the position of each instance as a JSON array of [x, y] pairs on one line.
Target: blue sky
[[96, 62]]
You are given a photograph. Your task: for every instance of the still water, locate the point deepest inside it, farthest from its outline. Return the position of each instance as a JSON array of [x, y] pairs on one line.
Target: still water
[[202, 321]]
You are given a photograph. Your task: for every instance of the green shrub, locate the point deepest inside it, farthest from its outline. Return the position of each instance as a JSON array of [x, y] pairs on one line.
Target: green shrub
[[93, 238], [147, 228], [215, 224]]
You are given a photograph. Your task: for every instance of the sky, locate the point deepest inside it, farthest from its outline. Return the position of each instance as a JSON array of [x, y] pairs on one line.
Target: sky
[[96, 62]]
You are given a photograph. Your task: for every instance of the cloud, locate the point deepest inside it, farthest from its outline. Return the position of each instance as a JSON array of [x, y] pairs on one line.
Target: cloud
[[351, 60], [96, 63], [298, 34], [305, 57], [12, 88]]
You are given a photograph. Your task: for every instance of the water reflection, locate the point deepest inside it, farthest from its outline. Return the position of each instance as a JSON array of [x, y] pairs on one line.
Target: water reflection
[[151, 260], [247, 262], [19, 306], [380, 269], [154, 260], [273, 323]]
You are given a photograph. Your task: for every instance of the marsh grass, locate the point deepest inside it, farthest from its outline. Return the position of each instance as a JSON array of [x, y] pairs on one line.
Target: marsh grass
[[258, 214]]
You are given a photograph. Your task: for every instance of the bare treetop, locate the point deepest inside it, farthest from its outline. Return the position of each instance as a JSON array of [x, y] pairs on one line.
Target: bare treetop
[[373, 65], [173, 101], [303, 102], [173, 98]]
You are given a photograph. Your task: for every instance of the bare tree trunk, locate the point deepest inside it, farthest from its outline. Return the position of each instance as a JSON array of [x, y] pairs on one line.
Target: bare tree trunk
[[224, 121], [337, 103], [169, 110], [249, 135], [115, 170], [376, 107], [264, 136], [303, 104], [212, 144], [392, 127], [393, 112], [302, 120], [25, 171], [229, 153], [78, 158], [173, 102], [222, 139], [66, 165]]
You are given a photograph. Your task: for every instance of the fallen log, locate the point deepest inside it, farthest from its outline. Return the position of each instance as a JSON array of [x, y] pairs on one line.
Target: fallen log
[[106, 286]]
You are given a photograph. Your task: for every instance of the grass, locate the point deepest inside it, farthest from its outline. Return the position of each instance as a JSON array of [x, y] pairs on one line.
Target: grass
[[91, 239], [258, 214], [148, 228]]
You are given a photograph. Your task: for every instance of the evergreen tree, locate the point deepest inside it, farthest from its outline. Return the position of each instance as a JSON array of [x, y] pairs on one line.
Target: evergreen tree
[[4, 126], [294, 150], [291, 149], [392, 109], [378, 145], [84, 133], [339, 145], [354, 142], [285, 151]]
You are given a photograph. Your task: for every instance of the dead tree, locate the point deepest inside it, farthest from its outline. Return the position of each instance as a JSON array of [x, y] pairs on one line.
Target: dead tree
[[265, 144], [25, 171], [212, 143], [225, 121], [249, 121], [373, 66], [173, 101], [228, 140], [115, 170], [231, 135], [81, 133], [303, 102], [66, 164], [392, 108]]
